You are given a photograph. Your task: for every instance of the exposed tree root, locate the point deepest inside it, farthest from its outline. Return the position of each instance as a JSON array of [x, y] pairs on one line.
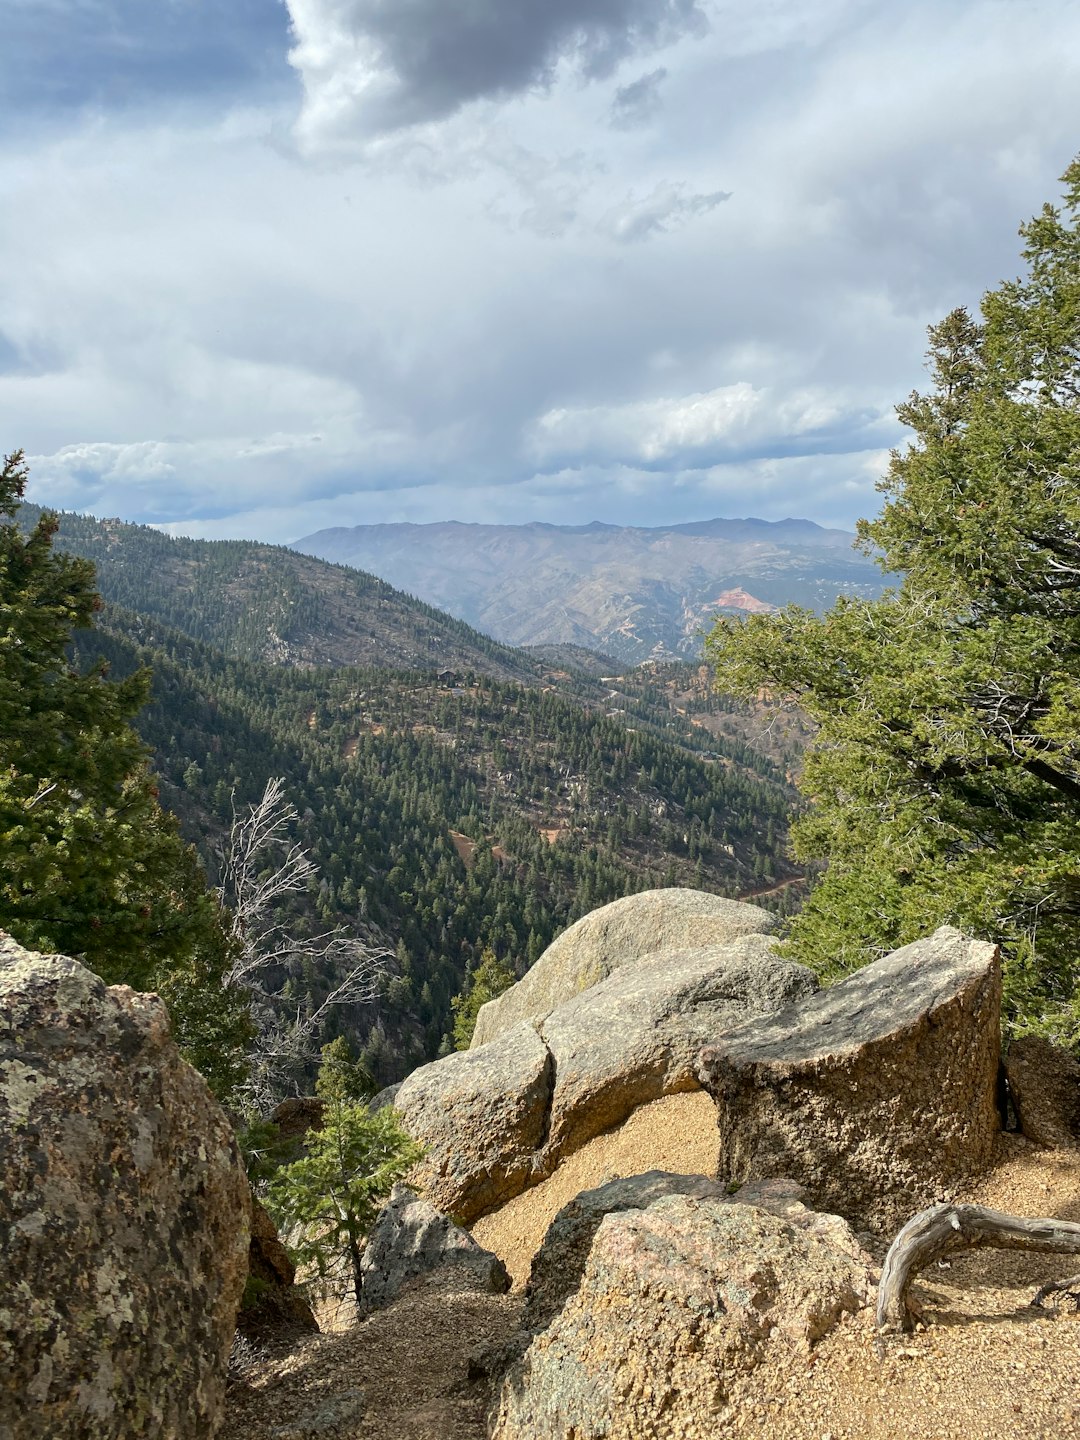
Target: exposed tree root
[[1070, 1287], [942, 1229]]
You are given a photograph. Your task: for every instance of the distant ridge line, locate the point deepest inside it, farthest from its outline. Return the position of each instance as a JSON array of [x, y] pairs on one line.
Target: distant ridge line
[[634, 592]]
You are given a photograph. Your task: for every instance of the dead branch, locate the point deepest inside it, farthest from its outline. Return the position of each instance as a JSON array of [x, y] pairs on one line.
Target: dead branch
[[942, 1229], [1069, 1286], [263, 868]]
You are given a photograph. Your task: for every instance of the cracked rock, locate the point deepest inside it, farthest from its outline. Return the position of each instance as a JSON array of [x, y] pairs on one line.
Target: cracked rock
[[621, 933], [498, 1119], [482, 1116]]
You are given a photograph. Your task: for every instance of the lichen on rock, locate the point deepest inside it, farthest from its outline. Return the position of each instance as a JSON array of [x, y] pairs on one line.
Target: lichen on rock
[[124, 1215], [663, 1305]]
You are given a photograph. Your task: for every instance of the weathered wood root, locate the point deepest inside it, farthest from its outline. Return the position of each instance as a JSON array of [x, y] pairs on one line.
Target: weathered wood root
[[944, 1228], [1070, 1287]]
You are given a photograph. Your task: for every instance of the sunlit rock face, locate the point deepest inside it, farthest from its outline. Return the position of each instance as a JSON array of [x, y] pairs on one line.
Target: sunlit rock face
[[652, 1296], [124, 1215], [877, 1095], [622, 933]]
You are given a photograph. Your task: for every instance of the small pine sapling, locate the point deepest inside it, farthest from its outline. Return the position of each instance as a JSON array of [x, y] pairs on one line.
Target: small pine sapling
[[331, 1196]]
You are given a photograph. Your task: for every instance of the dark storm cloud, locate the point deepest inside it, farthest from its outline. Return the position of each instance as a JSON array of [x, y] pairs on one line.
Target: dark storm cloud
[[409, 61]]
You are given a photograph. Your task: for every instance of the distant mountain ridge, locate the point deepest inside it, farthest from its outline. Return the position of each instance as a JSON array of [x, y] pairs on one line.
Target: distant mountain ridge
[[268, 603], [638, 593]]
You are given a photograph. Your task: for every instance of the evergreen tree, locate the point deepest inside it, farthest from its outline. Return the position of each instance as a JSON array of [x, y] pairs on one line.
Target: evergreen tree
[[490, 978], [334, 1192], [92, 866], [945, 778]]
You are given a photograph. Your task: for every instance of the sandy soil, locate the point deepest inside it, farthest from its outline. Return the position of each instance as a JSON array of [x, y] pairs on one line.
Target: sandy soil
[[984, 1367], [677, 1133]]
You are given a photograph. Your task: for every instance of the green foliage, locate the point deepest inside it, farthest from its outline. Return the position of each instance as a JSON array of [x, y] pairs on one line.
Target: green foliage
[[490, 978], [92, 865], [341, 1078], [382, 765], [334, 1192], [265, 1151], [945, 778]]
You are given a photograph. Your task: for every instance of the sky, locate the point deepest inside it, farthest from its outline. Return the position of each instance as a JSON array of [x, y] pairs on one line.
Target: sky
[[268, 266]]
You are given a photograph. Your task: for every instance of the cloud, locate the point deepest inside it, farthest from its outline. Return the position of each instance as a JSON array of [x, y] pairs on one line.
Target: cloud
[[719, 424], [639, 102], [205, 325], [370, 66], [176, 481], [667, 206]]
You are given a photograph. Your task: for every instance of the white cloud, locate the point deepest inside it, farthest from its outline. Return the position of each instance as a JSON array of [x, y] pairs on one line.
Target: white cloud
[[727, 420], [454, 308]]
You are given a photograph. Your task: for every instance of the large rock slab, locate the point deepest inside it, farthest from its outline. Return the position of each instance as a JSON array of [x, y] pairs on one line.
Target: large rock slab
[[879, 1094], [483, 1116], [498, 1119], [675, 1300], [636, 1035], [617, 934], [1044, 1081], [413, 1242], [123, 1215]]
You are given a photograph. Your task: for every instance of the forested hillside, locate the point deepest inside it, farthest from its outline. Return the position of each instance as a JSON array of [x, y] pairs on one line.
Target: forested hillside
[[263, 602], [446, 818], [266, 603]]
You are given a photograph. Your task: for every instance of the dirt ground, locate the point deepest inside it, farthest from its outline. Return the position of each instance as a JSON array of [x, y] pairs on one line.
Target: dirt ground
[[677, 1133], [984, 1367], [402, 1374]]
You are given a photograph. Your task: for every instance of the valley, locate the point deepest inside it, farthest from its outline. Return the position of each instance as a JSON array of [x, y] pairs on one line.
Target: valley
[[455, 794]]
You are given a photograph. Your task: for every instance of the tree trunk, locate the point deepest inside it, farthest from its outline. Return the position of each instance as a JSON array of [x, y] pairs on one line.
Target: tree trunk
[[357, 1271], [945, 1228]]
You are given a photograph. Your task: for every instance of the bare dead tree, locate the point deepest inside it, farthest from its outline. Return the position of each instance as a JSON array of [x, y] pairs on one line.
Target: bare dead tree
[[263, 867], [943, 1229]]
